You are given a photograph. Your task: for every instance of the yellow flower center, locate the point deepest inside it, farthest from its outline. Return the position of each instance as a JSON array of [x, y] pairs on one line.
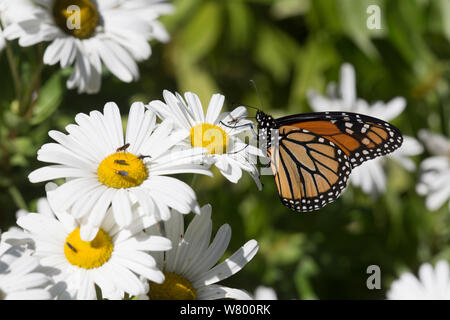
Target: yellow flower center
[[122, 170], [174, 287], [209, 136], [88, 254], [78, 18]]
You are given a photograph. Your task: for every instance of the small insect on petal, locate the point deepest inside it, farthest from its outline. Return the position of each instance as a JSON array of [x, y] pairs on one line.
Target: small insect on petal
[[123, 148], [71, 247]]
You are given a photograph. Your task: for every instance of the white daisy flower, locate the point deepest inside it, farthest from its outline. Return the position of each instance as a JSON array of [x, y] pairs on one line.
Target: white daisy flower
[[86, 34], [435, 170], [220, 133], [2, 24], [103, 168], [189, 267], [20, 277], [153, 8], [114, 261], [16, 236], [370, 176], [265, 293], [432, 284]]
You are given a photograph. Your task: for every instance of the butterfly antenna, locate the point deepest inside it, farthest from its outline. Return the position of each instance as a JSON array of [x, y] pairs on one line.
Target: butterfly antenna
[[257, 93], [252, 108]]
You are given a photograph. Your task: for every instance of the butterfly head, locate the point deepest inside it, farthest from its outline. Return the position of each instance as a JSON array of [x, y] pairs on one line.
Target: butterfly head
[[265, 120]]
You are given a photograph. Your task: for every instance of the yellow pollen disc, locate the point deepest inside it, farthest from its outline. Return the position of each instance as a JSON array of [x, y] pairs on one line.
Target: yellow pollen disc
[[78, 18], [122, 170], [174, 287], [209, 136], [88, 254]]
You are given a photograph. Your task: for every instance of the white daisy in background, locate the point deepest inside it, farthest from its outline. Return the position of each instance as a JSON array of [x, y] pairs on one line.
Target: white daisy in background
[[86, 34], [2, 22], [103, 168], [222, 134], [20, 277], [432, 284], [435, 170], [146, 8], [370, 176], [189, 268], [265, 293], [114, 261], [15, 236]]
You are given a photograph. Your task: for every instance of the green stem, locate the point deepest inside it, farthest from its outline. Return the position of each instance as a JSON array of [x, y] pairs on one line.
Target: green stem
[[17, 197], [26, 105], [444, 116], [194, 180], [14, 71]]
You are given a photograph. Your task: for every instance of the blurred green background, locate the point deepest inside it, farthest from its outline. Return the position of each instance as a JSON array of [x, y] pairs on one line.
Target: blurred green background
[[286, 47]]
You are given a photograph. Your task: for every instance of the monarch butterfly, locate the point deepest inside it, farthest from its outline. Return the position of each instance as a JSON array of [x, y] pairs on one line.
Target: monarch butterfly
[[312, 154]]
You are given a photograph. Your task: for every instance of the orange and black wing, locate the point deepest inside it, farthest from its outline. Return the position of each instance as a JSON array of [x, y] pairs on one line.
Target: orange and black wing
[[310, 171], [360, 137]]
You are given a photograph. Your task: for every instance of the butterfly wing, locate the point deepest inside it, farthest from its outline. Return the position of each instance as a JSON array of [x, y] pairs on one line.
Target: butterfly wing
[[361, 137], [310, 171]]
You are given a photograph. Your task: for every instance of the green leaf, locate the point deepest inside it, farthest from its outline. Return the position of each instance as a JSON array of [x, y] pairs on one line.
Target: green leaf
[[445, 10], [23, 146], [275, 52], [306, 269], [314, 59], [322, 16], [50, 98], [183, 9], [354, 17], [11, 119], [195, 79], [405, 23], [282, 248], [241, 23], [202, 32], [18, 160], [283, 9]]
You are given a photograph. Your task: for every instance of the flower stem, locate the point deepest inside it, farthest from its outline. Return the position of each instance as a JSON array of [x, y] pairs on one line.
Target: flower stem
[[194, 180], [17, 197], [14, 71], [26, 106]]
